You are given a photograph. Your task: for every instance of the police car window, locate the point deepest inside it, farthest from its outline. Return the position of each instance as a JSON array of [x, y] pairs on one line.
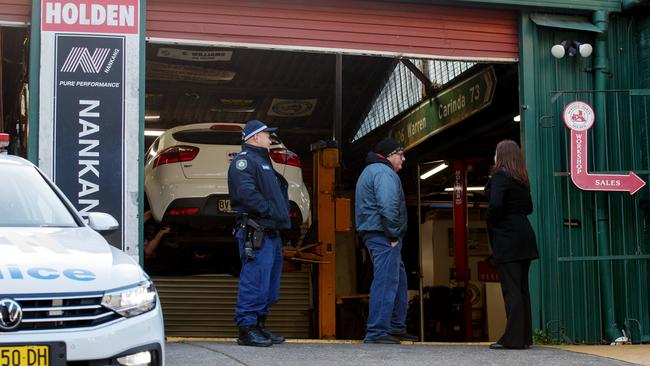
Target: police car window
[[26, 200], [209, 137]]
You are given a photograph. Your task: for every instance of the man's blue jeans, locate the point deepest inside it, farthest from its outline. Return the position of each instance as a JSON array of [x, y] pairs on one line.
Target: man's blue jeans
[[259, 280], [388, 293]]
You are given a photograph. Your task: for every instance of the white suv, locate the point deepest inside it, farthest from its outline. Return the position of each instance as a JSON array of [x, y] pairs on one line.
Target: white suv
[[186, 175], [66, 295]]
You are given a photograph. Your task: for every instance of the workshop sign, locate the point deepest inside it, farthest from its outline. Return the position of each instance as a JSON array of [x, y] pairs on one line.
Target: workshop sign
[[89, 108], [447, 108], [579, 117]]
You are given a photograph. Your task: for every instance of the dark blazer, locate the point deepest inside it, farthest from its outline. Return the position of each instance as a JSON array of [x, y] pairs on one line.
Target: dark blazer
[[511, 236]]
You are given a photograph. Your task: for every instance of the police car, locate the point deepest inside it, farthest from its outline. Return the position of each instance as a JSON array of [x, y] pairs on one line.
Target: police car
[[186, 175], [66, 295]]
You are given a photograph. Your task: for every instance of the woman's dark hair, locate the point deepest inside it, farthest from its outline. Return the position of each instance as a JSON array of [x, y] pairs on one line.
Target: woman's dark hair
[[511, 160]]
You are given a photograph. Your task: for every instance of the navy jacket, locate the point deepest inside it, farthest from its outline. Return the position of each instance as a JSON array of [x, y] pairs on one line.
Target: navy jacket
[[379, 204], [257, 189], [511, 235]]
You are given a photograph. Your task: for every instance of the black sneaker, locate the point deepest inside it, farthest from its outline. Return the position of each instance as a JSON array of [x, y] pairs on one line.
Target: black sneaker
[[405, 337], [251, 336], [387, 339]]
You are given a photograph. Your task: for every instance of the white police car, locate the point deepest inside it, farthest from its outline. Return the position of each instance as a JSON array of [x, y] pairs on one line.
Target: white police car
[[66, 295]]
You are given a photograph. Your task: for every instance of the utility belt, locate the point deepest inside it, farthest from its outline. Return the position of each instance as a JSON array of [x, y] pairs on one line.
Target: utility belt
[[254, 235]]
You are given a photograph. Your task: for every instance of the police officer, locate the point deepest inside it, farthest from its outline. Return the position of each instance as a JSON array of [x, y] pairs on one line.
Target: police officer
[[257, 190]]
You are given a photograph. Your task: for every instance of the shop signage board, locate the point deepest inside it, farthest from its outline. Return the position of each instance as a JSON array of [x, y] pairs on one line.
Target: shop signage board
[[89, 108], [579, 117], [447, 108]]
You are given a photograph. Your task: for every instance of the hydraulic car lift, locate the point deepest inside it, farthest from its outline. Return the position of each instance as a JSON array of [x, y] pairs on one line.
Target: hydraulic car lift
[[332, 214]]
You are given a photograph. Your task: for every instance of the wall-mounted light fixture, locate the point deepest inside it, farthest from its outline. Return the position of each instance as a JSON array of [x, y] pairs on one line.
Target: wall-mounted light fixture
[[433, 171], [571, 48], [469, 189], [153, 133]]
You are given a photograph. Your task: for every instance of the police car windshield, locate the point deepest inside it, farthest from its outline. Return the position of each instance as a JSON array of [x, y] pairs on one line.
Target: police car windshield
[[27, 200]]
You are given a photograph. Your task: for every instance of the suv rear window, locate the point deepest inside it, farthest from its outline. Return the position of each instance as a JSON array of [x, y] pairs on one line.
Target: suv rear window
[[208, 136]]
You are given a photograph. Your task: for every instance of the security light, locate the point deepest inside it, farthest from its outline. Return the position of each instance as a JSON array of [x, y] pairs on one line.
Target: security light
[[571, 48]]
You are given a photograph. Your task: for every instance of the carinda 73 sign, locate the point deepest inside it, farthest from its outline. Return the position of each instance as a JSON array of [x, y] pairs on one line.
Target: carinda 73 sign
[[579, 117]]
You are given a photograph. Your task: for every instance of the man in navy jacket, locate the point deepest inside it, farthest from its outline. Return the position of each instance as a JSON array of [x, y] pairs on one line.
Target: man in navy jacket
[[380, 215], [256, 189]]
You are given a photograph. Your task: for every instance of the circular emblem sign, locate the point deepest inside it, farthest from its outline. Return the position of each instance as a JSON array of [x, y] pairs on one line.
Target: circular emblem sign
[[578, 116]]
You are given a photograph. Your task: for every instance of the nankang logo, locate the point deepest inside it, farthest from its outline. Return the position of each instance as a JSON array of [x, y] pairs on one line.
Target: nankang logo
[[81, 57], [10, 314]]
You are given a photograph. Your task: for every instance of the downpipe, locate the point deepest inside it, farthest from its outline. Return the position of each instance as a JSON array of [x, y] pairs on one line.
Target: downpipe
[[601, 76]]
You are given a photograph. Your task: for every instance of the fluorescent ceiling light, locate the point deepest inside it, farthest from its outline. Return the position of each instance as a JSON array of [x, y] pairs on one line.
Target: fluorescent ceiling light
[[152, 117], [154, 133], [468, 189], [433, 171], [517, 118]]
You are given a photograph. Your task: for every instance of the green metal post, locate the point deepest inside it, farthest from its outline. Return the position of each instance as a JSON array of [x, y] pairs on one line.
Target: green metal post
[[530, 146], [34, 79], [141, 111], [601, 70]]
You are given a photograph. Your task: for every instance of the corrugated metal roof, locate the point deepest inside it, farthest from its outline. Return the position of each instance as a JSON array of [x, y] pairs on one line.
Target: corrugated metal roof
[[356, 26]]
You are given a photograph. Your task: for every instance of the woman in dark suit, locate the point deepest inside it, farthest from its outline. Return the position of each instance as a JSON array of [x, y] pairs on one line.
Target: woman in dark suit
[[512, 240]]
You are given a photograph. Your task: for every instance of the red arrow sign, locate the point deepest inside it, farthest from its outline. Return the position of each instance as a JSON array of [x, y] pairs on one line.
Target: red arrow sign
[[579, 118]]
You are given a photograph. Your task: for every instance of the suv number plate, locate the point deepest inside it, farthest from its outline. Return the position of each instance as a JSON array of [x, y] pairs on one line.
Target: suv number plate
[[224, 205], [24, 356]]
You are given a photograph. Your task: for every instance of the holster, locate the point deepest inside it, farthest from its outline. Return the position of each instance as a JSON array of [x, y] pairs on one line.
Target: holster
[[253, 233], [256, 237]]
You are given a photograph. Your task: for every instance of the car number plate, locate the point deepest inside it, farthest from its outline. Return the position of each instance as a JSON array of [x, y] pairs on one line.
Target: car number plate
[[224, 205], [24, 356]]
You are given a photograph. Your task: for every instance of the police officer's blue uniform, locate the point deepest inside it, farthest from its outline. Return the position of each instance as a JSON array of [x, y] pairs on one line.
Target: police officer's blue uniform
[[257, 189]]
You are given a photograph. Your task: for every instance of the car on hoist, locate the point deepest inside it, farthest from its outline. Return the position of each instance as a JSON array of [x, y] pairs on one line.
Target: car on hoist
[[186, 180]]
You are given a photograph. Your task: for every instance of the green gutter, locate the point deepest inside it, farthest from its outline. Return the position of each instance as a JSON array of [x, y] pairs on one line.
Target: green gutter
[[34, 87], [601, 76], [572, 5]]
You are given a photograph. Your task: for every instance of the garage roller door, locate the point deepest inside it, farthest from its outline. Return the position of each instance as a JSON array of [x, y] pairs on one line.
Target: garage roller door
[[354, 26], [203, 306], [15, 12]]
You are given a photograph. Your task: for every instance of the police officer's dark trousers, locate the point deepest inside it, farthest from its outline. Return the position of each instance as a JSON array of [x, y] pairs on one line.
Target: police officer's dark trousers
[[259, 280], [388, 293]]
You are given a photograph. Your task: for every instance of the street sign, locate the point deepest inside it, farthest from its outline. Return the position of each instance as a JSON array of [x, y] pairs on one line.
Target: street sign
[[446, 109], [579, 118]]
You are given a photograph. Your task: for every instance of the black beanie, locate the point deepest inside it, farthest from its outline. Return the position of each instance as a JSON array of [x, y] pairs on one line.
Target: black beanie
[[387, 146]]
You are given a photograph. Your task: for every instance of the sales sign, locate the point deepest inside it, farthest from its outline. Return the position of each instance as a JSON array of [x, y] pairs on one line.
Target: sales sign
[[89, 108], [579, 117]]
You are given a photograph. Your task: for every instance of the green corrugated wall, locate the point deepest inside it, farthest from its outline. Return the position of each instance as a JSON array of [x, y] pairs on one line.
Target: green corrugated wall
[[566, 286]]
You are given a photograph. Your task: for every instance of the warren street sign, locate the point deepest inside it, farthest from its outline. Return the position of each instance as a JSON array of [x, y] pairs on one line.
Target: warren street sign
[[446, 109]]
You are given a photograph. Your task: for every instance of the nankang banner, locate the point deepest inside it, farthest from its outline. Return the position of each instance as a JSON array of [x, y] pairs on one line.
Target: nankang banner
[[89, 108], [88, 156]]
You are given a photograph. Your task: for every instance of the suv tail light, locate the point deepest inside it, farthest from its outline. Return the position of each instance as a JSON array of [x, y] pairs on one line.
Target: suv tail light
[[175, 154], [284, 156]]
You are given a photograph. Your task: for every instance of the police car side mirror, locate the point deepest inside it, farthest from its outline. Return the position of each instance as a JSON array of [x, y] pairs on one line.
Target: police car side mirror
[[100, 221]]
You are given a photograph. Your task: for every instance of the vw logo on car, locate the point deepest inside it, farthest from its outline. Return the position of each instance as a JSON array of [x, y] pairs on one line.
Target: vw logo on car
[[10, 314]]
